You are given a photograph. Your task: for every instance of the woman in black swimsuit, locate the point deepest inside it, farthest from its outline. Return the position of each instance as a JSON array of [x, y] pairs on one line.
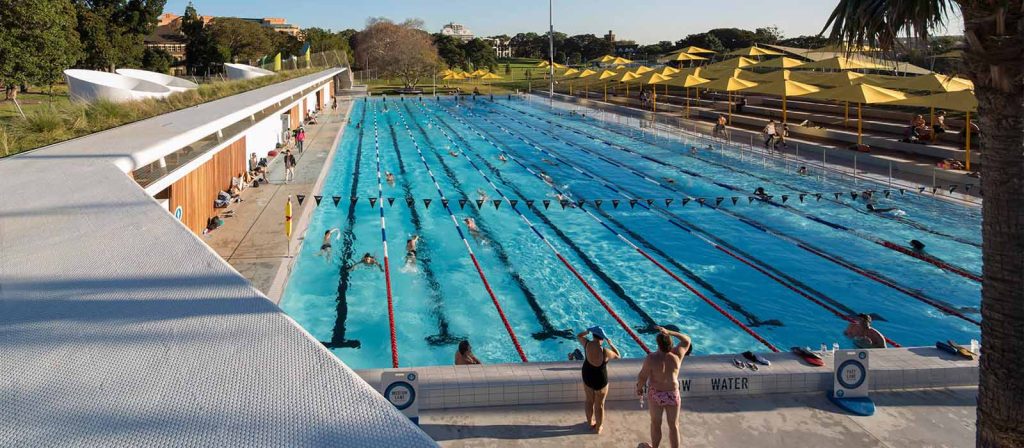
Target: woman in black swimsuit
[[595, 375]]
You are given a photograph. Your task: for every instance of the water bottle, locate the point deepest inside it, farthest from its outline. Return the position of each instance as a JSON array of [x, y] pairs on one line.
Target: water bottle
[[824, 350], [643, 397], [974, 346], [835, 348]]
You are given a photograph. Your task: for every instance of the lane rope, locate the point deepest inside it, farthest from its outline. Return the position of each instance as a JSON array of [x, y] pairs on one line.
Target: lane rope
[[384, 241]]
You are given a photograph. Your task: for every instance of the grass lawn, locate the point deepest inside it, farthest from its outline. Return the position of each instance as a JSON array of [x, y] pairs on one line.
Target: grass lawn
[[35, 100]]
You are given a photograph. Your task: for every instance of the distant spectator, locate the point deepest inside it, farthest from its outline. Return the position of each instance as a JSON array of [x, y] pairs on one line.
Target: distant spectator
[[940, 122], [300, 138], [741, 105], [769, 133], [289, 166], [719, 126]]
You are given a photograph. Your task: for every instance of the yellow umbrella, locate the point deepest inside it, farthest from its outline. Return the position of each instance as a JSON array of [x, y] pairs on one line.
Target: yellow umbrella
[[961, 100], [695, 50], [683, 57], [782, 62], [453, 76], [829, 79], [543, 63], [570, 73], [777, 75], [606, 76], [586, 84], [841, 63], [729, 85], [753, 51], [642, 69], [730, 64], [649, 78], [446, 72], [621, 61], [860, 94], [727, 73], [668, 71], [606, 59], [624, 77], [784, 88], [687, 81], [931, 82], [490, 76]]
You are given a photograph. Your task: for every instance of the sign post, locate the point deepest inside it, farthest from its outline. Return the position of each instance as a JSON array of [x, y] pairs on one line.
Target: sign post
[[850, 383], [400, 388]]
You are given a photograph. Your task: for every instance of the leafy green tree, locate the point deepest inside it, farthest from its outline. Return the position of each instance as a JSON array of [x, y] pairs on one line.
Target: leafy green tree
[[397, 51], [449, 48], [202, 54], [805, 42], [37, 42], [112, 31], [480, 53], [157, 60], [245, 41]]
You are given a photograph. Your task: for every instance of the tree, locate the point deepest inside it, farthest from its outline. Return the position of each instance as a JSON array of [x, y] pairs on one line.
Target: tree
[[37, 42], [449, 48], [157, 60], [805, 42], [244, 41], [112, 31], [397, 51], [201, 52], [992, 59], [480, 53]]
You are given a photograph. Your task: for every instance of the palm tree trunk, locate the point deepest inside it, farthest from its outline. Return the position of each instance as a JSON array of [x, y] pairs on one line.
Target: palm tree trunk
[[996, 38]]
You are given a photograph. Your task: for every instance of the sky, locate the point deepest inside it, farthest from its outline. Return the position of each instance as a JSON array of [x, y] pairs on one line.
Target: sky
[[645, 21]]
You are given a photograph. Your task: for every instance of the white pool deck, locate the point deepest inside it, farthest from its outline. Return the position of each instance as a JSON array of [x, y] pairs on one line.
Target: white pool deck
[[118, 327]]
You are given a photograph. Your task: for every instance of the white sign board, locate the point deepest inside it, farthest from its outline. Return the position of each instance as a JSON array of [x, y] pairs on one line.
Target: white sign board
[[400, 389], [850, 378]]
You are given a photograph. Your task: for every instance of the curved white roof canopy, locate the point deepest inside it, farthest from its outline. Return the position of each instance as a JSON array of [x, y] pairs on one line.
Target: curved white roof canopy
[[171, 82], [91, 85], [242, 71]]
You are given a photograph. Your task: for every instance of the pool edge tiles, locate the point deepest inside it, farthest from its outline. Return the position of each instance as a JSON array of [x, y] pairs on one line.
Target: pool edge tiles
[[456, 387]]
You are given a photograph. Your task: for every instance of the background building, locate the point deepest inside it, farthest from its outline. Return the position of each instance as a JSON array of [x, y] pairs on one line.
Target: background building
[[457, 30]]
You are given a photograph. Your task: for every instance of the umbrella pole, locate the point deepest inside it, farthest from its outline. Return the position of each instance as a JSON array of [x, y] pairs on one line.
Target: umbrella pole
[[783, 110], [728, 101], [846, 115], [687, 102], [606, 92], [860, 126], [967, 141], [931, 118], [654, 98]]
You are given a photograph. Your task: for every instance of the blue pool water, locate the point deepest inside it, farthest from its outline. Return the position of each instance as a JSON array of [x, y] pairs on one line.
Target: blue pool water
[[783, 271]]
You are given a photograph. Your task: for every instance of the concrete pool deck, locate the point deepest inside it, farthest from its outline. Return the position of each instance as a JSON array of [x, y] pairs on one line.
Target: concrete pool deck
[[922, 417]]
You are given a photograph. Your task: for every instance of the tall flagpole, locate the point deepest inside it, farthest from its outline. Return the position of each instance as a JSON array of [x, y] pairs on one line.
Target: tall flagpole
[[551, 51]]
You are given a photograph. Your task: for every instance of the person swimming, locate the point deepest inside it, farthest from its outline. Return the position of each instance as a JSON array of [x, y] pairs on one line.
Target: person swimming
[[873, 209], [410, 249], [367, 261], [670, 180], [547, 179], [390, 178], [473, 229], [325, 247], [917, 246], [563, 198], [502, 157], [863, 334], [693, 150], [760, 194], [481, 195], [453, 153], [802, 171]]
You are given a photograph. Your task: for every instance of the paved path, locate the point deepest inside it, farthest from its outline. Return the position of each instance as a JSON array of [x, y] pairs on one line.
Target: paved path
[[934, 418], [253, 240]]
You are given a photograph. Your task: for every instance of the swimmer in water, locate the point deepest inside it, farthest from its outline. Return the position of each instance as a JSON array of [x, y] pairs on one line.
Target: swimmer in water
[[802, 171], [481, 194], [917, 246], [453, 153], [473, 229], [549, 162], [863, 334], [872, 209], [502, 157], [325, 247], [547, 179], [410, 249], [366, 261], [390, 178], [563, 198], [693, 150], [670, 180], [760, 194]]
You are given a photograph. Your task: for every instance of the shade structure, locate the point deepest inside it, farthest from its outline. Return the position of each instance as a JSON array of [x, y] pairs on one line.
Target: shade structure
[[478, 72], [774, 76], [545, 64], [841, 63], [668, 71], [490, 76], [650, 78], [932, 82], [784, 88], [570, 73], [860, 94], [683, 57], [754, 51], [586, 74], [446, 72], [733, 63], [727, 73], [828, 79], [605, 76], [453, 76], [642, 69], [606, 59], [695, 50], [686, 81], [729, 85], [621, 61], [783, 62], [962, 100]]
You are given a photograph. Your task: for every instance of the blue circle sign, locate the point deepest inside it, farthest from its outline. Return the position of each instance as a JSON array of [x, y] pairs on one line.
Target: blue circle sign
[[851, 374], [178, 212], [400, 394]]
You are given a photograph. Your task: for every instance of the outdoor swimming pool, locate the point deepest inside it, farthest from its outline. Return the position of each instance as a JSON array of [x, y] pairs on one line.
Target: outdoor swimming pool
[[740, 276]]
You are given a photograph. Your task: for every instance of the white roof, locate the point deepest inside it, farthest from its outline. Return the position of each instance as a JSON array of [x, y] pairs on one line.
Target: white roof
[[118, 327]]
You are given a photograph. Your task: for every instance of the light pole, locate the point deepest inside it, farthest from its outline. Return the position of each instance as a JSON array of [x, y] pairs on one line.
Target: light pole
[[551, 51]]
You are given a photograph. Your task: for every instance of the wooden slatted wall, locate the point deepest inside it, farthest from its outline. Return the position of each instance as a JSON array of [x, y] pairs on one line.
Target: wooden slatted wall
[[294, 112], [196, 191]]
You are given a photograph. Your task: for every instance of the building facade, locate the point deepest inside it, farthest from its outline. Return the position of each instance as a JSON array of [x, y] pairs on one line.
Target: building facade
[[457, 30]]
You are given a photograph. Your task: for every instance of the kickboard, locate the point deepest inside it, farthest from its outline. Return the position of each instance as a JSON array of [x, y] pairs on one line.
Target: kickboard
[[862, 406], [809, 357], [950, 349]]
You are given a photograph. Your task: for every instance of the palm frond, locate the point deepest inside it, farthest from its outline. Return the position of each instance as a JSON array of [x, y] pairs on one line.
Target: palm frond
[[880, 23]]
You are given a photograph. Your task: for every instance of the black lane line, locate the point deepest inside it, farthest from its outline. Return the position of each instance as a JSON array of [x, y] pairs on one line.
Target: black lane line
[[913, 293], [687, 225], [338, 334], [548, 331], [752, 319], [649, 322], [423, 256]]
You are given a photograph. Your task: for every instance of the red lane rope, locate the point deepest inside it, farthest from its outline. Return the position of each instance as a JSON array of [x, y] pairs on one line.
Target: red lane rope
[[604, 304], [631, 244], [469, 249], [384, 240], [937, 262]]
